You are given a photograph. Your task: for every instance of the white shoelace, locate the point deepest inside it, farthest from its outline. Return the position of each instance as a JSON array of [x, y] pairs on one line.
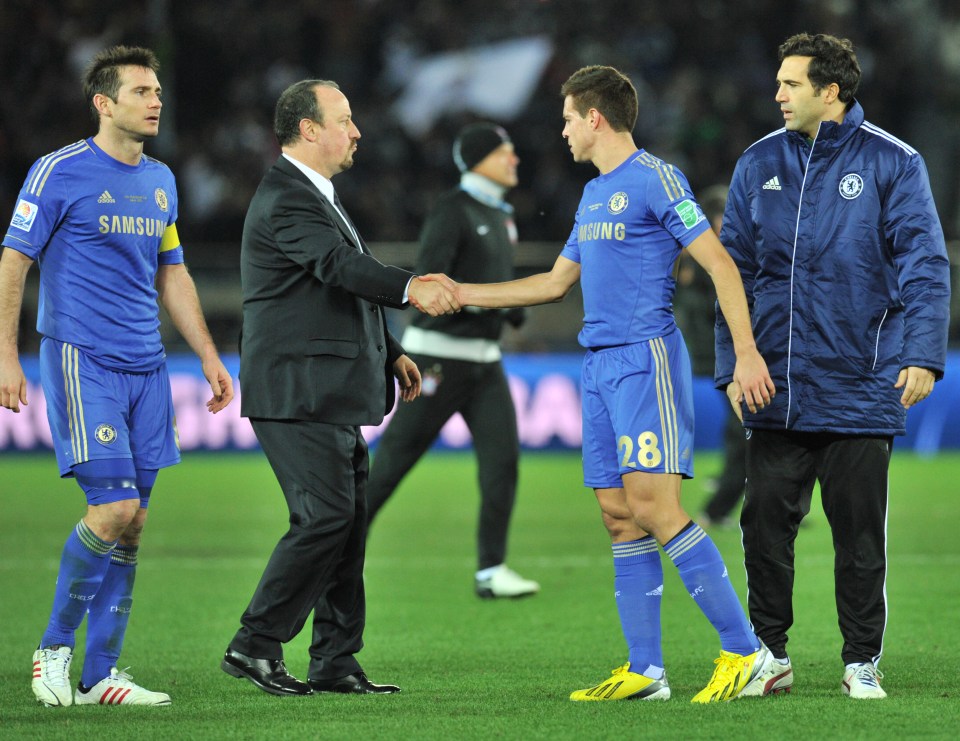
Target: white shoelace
[[56, 666], [120, 676], [868, 675]]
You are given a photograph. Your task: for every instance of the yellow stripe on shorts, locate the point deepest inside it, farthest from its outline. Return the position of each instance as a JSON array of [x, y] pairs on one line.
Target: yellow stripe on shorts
[[70, 362], [668, 409]]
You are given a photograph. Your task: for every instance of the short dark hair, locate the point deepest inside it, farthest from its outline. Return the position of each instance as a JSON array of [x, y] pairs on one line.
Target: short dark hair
[[297, 102], [832, 61], [606, 89], [102, 76]]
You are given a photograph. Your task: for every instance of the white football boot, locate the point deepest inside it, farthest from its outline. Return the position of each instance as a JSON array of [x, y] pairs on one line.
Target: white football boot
[[504, 582], [119, 689], [51, 676], [776, 678], [862, 682]]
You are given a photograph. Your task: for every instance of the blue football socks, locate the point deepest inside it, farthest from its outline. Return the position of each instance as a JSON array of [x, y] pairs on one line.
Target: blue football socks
[[82, 567], [109, 614], [638, 584], [705, 576]]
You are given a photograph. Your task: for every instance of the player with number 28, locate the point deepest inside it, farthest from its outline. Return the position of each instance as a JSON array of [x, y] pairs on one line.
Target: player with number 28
[[632, 223]]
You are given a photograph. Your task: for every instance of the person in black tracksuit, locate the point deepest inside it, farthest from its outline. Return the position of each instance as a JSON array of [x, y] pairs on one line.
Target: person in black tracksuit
[[470, 236]]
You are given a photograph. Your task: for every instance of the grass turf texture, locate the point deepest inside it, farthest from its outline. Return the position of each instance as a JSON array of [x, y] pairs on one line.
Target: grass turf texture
[[469, 668]]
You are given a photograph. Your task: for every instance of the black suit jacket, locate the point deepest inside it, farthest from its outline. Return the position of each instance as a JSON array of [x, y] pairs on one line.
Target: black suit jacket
[[314, 344]]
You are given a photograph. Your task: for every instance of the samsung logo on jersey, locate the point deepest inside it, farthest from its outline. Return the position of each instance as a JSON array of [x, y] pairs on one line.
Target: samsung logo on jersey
[[602, 230], [132, 225]]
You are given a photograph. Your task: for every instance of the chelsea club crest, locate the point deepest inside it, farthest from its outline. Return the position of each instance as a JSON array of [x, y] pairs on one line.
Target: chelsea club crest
[[851, 186], [617, 203], [105, 434]]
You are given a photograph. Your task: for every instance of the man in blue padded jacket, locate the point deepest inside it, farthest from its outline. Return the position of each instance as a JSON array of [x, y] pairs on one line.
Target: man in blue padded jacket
[[833, 226]]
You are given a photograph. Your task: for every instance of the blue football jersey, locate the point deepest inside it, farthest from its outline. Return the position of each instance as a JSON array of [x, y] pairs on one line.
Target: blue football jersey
[[631, 224], [98, 229]]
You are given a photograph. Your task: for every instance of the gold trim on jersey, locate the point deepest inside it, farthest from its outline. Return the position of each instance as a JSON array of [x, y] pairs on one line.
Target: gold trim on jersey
[[47, 163], [668, 177], [667, 407], [170, 239], [70, 363]]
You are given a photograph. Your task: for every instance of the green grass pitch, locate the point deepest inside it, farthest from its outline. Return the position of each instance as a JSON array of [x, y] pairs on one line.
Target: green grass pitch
[[469, 669]]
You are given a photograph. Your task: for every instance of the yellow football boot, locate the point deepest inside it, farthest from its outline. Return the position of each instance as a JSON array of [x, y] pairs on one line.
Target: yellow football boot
[[734, 673], [625, 685]]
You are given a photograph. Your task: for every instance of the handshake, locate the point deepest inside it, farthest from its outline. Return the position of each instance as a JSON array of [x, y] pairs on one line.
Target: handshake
[[435, 294]]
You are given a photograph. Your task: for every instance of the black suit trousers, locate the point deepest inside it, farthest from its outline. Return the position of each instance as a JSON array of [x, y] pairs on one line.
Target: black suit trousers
[[318, 563]]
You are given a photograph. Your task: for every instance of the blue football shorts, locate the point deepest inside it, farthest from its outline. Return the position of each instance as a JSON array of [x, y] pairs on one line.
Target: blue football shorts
[[637, 411], [97, 413]]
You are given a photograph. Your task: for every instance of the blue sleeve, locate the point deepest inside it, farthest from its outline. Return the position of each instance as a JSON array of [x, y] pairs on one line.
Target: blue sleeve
[[36, 216], [675, 207], [171, 250], [737, 235], [571, 250], [915, 235]]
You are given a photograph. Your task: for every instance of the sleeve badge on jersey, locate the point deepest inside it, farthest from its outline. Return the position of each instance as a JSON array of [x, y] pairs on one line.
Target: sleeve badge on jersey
[[24, 215], [617, 203], [161, 198], [689, 213]]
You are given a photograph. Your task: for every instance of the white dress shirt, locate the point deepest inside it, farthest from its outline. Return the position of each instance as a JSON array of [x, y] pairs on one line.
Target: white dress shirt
[[326, 188]]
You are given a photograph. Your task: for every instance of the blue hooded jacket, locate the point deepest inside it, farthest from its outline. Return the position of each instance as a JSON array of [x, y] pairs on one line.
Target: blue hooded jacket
[[845, 268]]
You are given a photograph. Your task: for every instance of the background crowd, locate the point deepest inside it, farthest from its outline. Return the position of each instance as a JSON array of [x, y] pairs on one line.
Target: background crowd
[[703, 69]]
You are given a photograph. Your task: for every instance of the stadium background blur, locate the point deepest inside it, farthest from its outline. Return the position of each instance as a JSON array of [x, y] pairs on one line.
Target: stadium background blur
[[704, 70]]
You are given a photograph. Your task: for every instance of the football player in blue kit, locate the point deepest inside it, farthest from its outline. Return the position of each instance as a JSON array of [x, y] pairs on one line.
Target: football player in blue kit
[[632, 223], [99, 218]]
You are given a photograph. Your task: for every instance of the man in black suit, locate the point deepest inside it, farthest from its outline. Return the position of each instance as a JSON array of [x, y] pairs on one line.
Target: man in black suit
[[316, 363]]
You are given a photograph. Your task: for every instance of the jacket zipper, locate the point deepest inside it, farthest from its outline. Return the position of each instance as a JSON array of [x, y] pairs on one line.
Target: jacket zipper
[[793, 259]]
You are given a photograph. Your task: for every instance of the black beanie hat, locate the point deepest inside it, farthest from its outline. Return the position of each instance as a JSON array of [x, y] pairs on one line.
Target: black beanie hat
[[475, 141]]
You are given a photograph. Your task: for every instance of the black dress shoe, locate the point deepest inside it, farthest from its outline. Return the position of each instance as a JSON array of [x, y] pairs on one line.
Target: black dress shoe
[[270, 675], [353, 684]]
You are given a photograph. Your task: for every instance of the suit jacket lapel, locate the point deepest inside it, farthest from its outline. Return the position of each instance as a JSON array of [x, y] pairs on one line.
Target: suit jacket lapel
[[288, 168], [341, 210]]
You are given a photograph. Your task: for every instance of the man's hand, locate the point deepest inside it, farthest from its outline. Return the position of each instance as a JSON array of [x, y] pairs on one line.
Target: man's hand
[[220, 383], [434, 294], [917, 383], [408, 376], [753, 382], [13, 384], [734, 396]]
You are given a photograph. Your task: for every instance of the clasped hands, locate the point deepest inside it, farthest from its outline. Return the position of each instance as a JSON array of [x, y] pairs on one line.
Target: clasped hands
[[434, 294]]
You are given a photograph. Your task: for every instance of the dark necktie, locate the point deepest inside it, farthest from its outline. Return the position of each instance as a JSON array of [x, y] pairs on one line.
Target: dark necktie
[[343, 212]]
